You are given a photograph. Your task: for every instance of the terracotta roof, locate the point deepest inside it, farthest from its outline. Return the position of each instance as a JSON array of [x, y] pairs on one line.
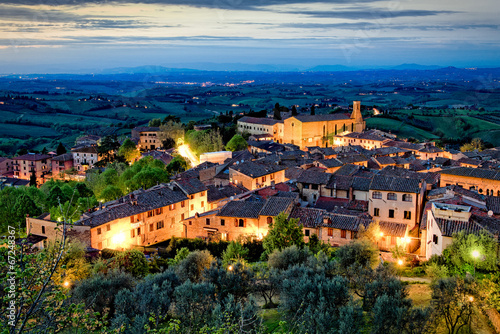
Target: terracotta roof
[[276, 205], [404, 145], [268, 146], [341, 222], [381, 151], [2, 159], [13, 182], [254, 170], [159, 155], [493, 204], [347, 170], [153, 198], [339, 182], [383, 160], [241, 209], [314, 177], [431, 149], [63, 157], [147, 129], [330, 204], [491, 174], [86, 149], [429, 177], [361, 183], [365, 135], [352, 158], [469, 161], [398, 184], [191, 185], [321, 118], [32, 157], [308, 217], [259, 121], [217, 193], [330, 163], [393, 229]]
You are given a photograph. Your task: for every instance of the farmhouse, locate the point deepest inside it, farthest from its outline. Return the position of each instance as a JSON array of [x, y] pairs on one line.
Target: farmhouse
[[25, 165], [147, 137], [84, 158]]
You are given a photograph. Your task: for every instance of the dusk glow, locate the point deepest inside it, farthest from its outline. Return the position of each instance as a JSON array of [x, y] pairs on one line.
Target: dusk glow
[[87, 36]]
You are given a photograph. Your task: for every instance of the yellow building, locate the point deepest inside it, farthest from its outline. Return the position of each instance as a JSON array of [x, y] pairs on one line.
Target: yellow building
[[484, 181], [317, 130]]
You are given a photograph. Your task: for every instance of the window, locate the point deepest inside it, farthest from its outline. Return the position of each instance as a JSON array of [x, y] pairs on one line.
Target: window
[[314, 186], [354, 235], [182, 216], [202, 193], [307, 232], [138, 231], [172, 207], [172, 221], [150, 213], [407, 215], [190, 223], [207, 221], [43, 230], [407, 198], [271, 177], [159, 211], [330, 232], [202, 203], [391, 213], [343, 234], [192, 206], [263, 179], [269, 220], [376, 212], [151, 227], [222, 222], [183, 204], [377, 195], [108, 227], [98, 231], [392, 197], [132, 233], [192, 196], [241, 223], [160, 224], [435, 239]]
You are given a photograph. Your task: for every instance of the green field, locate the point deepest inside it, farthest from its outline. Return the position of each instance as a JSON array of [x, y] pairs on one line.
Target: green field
[[25, 131], [399, 128]]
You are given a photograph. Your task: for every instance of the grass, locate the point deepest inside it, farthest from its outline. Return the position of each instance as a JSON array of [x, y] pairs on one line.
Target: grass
[[21, 131], [420, 294], [271, 319], [398, 127]]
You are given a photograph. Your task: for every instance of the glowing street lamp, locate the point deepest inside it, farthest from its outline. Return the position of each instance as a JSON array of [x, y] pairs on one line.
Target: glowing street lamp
[[66, 284], [400, 262], [230, 268]]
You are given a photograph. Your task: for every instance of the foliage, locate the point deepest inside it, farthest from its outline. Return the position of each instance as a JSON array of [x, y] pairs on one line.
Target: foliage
[[267, 283], [194, 303], [110, 193], [170, 132], [489, 288], [288, 257], [129, 151], [390, 287], [475, 144], [459, 254], [235, 252], [398, 252], [192, 267], [453, 298], [316, 245], [357, 253], [283, 232], [73, 265], [204, 141], [152, 296], [237, 143], [133, 261], [312, 303], [60, 149], [435, 271], [371, 233], [107, 149], [98, 292], [234, 280], [177, 165], [182, 253]]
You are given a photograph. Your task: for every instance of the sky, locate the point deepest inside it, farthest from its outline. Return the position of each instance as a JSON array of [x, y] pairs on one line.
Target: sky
[[74, 36]]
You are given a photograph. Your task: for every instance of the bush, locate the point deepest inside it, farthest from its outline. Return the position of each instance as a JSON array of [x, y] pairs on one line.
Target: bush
[[435, 271], [288, 257], [359, 253], [235, 252], [133, 261], [192, 267]]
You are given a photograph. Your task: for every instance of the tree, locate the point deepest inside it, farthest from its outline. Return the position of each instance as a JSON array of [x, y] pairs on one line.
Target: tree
[[277, 111], [107, 149], [460, 254], [294, 110], [237, 143], [129, 151], [453, 302], [33, 182], [235, 252], [60, 149], [357, 253], [176, 165], [192, 267], [313, 109], [133, 261], [110, 193], [235, 279], [23, 206], [155, 122], [194, 303], [288, 257], [283, 232], [171, 118], [170, 132], [475, 144]]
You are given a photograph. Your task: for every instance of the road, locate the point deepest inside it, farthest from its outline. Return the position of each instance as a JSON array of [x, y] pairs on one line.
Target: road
[[186, 152]]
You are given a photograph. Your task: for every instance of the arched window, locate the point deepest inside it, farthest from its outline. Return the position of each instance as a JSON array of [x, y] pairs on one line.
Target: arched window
[[241, 223], [269, 220], [407, 198], [392, 197], [377, 195]]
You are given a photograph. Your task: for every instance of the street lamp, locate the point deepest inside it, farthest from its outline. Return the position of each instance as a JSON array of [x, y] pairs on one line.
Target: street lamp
[[381, 234], [230, 268]]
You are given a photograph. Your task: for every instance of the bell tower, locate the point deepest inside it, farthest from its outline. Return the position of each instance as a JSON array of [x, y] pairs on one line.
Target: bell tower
[[359, 124]]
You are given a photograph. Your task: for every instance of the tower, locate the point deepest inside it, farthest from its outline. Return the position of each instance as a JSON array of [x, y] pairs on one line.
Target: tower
[[359, 124]]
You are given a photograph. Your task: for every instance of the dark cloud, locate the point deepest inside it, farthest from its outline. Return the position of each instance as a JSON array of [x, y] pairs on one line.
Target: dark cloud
[[370, 25], [222, 4], [363, 14]]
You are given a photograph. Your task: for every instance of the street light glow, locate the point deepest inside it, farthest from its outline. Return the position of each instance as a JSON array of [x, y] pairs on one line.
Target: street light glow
[[381, 234], [66, 284], [475, 254], [118, 239], [400, 262]]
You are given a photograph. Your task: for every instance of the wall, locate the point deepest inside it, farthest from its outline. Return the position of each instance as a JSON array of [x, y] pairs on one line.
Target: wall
[[197, 227], [481, 185], [53, 230], [236, 177], [399, 206]]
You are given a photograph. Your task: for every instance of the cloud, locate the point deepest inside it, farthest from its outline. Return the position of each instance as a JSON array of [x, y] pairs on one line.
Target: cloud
[[364, 14], [222, 4], [370, 25]]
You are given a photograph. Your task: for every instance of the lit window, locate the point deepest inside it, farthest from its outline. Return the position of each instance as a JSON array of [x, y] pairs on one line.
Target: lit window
[[377, 195], [392, 197], [343, 234]]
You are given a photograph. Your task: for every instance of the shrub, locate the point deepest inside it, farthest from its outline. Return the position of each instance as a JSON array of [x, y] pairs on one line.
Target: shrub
[[288, 257], [192, 267]]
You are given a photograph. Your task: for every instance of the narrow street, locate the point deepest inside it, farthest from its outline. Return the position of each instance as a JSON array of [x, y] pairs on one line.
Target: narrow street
[[186, 152]]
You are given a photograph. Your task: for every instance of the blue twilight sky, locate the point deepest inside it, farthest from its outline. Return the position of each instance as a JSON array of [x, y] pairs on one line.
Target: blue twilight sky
[[72, 36]]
